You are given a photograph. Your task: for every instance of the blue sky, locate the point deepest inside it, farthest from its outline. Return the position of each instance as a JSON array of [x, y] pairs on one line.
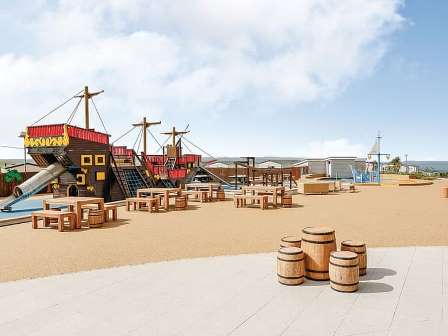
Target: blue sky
[[309, 78], [406, 96]]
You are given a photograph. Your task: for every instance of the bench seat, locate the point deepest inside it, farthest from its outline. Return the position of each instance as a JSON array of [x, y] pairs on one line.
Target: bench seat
[[197, 195], [46, 215], [152, 204], [261, 200]]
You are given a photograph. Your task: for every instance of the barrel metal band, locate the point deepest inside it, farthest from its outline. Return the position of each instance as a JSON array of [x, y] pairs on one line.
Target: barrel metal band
[[313, 271], [318, 242], [344, 266], [345, 244], [291, 253], [346, 285], [344, 291], [289, 260], [344, 258], [290, 278], [290, 241], [317, 233]]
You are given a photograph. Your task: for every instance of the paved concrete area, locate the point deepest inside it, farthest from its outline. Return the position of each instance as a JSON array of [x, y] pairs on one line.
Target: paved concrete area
[[404, 293]]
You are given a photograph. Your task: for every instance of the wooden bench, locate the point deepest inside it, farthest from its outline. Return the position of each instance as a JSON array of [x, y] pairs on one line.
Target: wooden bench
[[46, 215], [314, 188], [110, 209], [261, 200], [348, 187], [152, 204], [198, 195]]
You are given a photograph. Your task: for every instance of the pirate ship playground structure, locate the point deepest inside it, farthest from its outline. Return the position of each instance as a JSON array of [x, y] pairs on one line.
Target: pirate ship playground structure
[[80, 161]]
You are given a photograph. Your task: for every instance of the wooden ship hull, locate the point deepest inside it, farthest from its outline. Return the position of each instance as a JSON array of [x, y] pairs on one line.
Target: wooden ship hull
[[80, 161], [95, 168]]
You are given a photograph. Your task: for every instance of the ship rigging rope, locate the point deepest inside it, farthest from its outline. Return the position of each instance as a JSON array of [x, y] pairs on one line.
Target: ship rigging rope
[[164, 143], [72, 115], [185, 145], [56, 108], [182, 135], [139, 145], [203, 151], [155, 139], [99, 115], [137, 140], [123, 135]]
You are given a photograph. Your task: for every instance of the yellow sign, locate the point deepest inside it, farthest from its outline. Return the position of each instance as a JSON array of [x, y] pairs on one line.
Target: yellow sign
[[100, 176], [54, 141]]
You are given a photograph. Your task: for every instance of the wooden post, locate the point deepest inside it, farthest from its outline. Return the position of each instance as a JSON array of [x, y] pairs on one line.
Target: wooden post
[[86, 106], [174, 134], [144, 135], [236, 175], [87, 95], [145, 125]]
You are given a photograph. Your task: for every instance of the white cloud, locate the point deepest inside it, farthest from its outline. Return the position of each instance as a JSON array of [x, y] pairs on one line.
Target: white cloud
[[195, 57], [338, 147]]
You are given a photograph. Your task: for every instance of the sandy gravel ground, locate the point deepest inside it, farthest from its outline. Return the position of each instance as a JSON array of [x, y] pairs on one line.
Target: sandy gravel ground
[[381, 216]]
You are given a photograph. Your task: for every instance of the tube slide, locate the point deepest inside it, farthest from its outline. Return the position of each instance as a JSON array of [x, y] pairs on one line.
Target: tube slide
[[32, 185]]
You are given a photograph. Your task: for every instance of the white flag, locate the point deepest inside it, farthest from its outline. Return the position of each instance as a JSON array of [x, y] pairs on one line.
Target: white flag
[[374, 150]]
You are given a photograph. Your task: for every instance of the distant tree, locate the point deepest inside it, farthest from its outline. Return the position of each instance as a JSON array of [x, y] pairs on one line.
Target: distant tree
[[396, 164], [12, 176]]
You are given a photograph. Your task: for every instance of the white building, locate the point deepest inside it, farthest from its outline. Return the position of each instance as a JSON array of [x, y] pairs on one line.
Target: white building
[[340, 167], [280, 163], [333, 167], [219, 164], [312, 166], [269, 164], [410, 169]]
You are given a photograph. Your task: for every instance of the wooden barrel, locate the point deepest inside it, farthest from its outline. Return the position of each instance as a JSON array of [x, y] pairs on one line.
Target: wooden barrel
[[444, 192], [96, 218], [290, 266], [181, 202], [221, 195], [317, 244], [290, 241], [344, 271], [287, 201], [360, 249]]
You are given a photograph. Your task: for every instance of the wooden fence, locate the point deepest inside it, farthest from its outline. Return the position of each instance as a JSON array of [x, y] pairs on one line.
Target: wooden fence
[[225, 173]]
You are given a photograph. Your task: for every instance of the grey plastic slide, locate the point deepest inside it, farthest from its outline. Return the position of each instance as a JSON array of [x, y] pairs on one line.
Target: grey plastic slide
[[32, 185]]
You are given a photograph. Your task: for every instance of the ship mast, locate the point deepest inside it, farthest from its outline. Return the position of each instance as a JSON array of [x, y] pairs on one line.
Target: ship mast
[[87, 95], [145, 124], [174, 134]]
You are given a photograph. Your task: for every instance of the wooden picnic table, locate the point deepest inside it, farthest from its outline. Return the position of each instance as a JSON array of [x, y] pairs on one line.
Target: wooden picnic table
[[166, 193], [74, 204], [210, 187], [273, 191]]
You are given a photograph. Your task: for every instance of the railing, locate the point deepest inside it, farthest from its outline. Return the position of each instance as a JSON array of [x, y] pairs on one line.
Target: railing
[[182, 160], [43, 131], [122, 151]]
